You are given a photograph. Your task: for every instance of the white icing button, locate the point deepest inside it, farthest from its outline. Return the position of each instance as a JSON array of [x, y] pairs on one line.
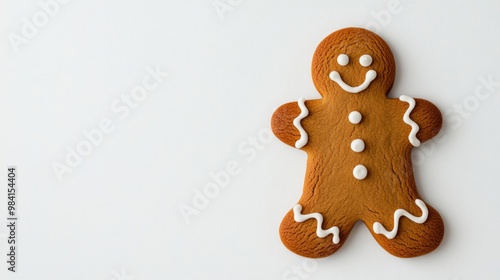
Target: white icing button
[[342, 60], [357, 145], [365, 60], [360, 172], [355, 117]]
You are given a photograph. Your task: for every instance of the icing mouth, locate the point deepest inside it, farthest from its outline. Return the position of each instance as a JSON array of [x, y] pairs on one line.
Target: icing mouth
[[370, 76]]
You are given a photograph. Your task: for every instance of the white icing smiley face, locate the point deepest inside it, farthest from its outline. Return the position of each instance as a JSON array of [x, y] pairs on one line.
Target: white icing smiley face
[[365, 61]]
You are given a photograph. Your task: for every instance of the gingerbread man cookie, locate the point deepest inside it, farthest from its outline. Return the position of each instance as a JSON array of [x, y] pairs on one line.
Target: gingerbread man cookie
[[358, 143]]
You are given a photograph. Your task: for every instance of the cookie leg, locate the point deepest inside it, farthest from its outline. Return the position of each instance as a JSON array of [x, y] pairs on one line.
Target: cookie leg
[[301, 235], [412, 238]]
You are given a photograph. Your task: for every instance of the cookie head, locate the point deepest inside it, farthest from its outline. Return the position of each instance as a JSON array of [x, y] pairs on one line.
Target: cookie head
[[353, 61]]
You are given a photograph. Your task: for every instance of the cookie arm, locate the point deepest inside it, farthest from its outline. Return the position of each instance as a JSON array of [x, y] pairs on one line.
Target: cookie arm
[[282, 123], [428, 117]]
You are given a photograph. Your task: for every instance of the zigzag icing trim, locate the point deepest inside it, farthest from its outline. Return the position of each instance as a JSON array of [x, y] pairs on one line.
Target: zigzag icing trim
[[296, 122], [406, 118], [380, 229], [320, 232]]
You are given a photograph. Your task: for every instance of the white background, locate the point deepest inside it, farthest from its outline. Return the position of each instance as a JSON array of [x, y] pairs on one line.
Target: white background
[[116, 214]]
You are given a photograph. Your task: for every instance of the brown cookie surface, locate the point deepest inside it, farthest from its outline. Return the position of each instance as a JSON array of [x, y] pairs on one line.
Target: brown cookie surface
[[359, 145]]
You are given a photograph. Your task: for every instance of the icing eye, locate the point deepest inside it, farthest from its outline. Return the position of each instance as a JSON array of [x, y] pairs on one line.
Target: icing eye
[[343, 59], [365, 60]]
